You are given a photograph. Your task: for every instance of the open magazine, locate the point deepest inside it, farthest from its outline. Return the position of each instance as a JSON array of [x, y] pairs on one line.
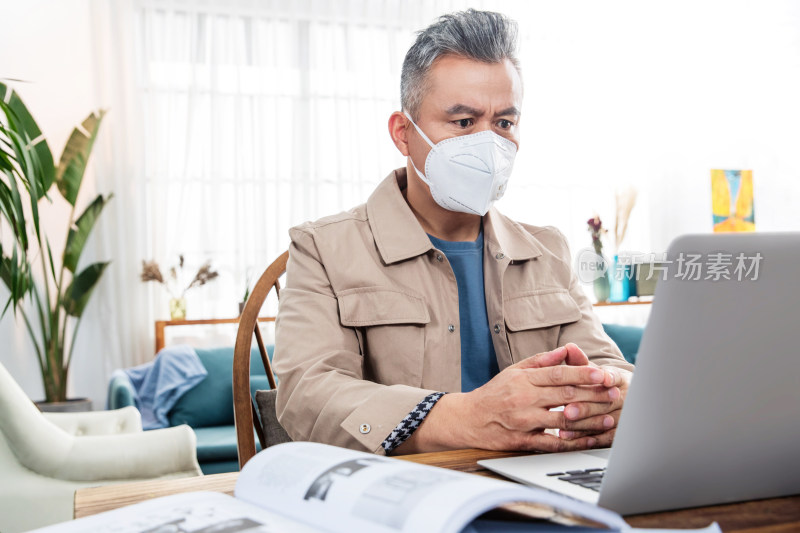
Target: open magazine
[[304, 487]]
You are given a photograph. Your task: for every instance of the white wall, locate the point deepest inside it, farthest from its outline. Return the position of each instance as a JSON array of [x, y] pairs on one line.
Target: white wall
[[656, 94], [49, 44]]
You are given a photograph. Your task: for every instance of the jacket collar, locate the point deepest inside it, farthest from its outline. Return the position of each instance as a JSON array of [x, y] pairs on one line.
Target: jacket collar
[[504, 235], [397, 232], [399, 236]]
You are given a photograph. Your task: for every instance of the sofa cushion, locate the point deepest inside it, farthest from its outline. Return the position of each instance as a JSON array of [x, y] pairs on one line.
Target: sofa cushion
[[627, 339], [258, 383], [219, 467], [215, 443], [210, 403]]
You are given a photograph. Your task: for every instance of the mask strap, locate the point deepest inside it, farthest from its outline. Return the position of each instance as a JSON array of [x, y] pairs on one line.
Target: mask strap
[[419, 130], [420, 174]]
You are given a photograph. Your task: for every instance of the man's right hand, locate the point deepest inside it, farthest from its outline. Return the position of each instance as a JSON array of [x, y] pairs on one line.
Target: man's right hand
[[511, 411]]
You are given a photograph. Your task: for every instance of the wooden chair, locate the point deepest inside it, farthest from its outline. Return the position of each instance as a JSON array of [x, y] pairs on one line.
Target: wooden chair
[[245, 412]]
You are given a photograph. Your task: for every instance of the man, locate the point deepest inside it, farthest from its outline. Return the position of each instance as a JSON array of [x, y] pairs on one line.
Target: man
[[424, 320]]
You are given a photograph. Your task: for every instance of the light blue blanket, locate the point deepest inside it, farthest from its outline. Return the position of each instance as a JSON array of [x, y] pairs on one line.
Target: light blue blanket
[[161, 382]]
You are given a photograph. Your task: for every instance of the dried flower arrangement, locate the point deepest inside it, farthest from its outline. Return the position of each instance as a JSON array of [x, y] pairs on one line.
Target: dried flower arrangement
[[626, 199], [597, 230], [152, 272]]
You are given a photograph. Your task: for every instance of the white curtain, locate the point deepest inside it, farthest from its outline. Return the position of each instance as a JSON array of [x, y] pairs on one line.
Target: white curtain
[[119, 325], [256, 120], [232, 122]]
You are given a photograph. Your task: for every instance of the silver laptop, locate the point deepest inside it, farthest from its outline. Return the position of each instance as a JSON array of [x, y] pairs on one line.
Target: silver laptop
[[713, 413]]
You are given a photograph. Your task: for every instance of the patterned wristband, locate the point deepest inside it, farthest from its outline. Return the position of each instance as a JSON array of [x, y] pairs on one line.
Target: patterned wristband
[[411, 422]]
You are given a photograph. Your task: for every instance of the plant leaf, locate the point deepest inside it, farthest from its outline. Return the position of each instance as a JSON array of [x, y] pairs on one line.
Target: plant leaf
[[15, 274], [7, 208], [75, 157], [5, 271], [21, 121], [5, 308], [77, 294], [80, 232], [20, 231], [29, 165], [6, 157], [50, 256]]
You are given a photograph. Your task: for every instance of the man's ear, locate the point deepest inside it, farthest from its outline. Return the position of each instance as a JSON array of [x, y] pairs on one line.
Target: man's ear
[[398, 129]]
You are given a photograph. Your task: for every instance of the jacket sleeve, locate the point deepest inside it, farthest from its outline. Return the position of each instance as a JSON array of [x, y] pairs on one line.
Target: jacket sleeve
[[322, 394], [588, 332]]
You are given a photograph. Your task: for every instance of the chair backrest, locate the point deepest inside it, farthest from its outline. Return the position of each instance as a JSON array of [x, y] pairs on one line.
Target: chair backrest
[[29, 435], [245, 412]]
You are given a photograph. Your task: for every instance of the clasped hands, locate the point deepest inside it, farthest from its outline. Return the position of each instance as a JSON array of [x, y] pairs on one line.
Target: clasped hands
[[513, 410]]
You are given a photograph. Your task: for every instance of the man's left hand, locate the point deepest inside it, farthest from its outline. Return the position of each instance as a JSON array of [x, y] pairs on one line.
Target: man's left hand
[[597, 419]]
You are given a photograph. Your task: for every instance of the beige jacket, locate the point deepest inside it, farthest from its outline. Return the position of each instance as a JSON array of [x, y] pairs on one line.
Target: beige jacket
[[364, 328]]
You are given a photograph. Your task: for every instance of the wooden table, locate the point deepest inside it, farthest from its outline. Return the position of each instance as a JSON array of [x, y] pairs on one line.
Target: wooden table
[[776, 515]]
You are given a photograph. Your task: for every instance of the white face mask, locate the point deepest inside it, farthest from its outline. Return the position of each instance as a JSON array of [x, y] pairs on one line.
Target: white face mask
[[468, 173]]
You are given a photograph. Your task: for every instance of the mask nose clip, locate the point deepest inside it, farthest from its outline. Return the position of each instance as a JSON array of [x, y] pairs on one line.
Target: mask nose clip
[[467, 173]]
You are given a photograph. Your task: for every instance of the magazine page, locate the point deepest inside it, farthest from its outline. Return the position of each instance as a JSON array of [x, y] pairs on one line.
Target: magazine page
[[344, 490], [192, 512], [493, 526]]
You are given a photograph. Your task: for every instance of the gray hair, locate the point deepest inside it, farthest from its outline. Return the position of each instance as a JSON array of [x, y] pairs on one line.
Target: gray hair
[[480, 35]]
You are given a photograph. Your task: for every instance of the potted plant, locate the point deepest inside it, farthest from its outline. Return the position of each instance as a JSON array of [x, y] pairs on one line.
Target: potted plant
[[48, 292]]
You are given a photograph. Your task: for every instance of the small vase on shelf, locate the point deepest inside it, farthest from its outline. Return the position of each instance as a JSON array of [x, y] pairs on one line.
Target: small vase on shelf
[[602, 279], [602, 288], [177, 308], [620, 281]]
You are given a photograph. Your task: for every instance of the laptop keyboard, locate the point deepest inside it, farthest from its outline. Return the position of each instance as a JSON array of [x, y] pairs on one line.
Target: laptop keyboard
[[591, 478]]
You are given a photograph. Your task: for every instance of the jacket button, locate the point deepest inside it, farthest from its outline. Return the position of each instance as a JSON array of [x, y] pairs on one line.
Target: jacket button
[[500, 255], [364, 429], [451, 328], [497, 328], [439, 257]]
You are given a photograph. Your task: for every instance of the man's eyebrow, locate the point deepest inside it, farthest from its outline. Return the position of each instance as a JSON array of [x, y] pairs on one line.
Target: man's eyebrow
[[463, 109], [513, 111]]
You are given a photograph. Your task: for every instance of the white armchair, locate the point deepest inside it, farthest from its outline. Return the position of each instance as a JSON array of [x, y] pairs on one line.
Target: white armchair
[[44, 458]]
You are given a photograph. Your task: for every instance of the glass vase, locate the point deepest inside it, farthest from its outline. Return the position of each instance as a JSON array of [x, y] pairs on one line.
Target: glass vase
[[602, 283], [177, 308], [621, 274]]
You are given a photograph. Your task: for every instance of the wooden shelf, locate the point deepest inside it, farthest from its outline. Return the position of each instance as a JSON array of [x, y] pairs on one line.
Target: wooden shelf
[[633, 302], [162, 324]]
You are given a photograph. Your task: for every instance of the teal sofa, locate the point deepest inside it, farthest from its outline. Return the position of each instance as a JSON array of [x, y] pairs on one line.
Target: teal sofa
[[627, 338], [207, 408]]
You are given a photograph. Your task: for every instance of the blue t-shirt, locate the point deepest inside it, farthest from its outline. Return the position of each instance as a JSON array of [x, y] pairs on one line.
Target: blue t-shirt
[[478, 360]]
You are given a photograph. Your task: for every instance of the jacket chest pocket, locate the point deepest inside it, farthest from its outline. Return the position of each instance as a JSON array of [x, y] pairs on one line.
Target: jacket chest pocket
[[390, 326], [534, 320]]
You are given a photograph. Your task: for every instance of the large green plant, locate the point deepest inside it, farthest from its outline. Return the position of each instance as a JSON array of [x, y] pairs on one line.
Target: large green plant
[[48, 295]]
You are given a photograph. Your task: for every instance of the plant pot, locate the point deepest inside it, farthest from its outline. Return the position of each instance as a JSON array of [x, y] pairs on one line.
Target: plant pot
[[241, 307], [75, 405]]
